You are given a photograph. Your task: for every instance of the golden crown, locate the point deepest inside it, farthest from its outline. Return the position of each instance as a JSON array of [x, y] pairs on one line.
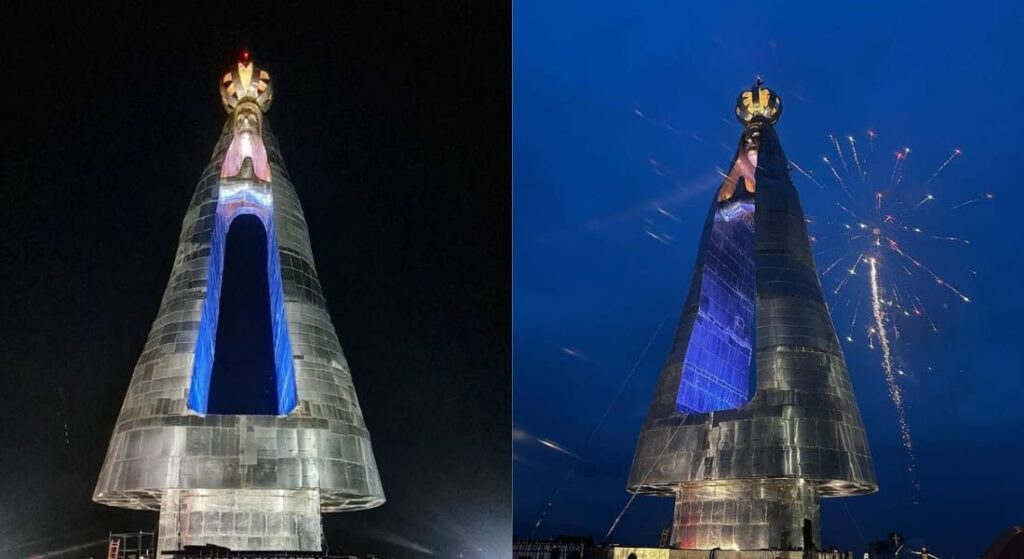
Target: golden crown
[[246, 82], [758, 104]]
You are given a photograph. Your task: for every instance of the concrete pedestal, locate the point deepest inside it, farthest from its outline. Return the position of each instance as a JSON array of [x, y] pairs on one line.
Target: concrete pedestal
[[240, 519], [745, 514]]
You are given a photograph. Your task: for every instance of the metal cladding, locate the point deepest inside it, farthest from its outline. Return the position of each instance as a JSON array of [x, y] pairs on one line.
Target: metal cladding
[[756, 511], [241, 481], [747, 466]]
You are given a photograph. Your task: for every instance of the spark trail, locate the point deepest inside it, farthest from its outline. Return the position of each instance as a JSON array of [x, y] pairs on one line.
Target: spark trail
[[895, 392], [853, 149], [938, 279], [927, 198], [839, 151], [973, 201], [901, 158], [853, 323], [805, 173], [839, 180], [956, 153]]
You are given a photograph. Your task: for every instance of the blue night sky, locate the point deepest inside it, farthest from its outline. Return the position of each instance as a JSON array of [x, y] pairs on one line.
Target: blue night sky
[[589, 171]]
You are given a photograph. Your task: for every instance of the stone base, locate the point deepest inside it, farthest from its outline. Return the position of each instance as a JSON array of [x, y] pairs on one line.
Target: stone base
[[746, 514], [240, 519]]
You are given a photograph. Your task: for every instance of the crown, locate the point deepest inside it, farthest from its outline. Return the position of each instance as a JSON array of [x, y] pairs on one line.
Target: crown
[[246, 82], [758, 104]]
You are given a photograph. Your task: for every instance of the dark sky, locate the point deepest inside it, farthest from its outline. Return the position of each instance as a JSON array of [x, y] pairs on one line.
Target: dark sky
[[394, 124], [587, 276], [243, 375]]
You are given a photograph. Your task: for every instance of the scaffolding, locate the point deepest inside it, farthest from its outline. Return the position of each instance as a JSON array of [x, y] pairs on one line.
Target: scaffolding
[[131, 545]]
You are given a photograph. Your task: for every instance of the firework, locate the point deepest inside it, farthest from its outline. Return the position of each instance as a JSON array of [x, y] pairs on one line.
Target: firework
[[876, 226]]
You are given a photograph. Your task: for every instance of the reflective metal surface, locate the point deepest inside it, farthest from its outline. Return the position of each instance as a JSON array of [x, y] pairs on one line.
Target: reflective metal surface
[[802, 424], [242, 519], [262, 476], [762, 514]]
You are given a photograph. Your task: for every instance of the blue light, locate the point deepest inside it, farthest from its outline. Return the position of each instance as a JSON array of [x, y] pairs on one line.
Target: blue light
[[716, 366], [238, 199], [286, 393]]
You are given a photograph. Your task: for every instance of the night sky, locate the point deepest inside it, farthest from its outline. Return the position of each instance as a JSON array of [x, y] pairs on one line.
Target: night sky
[[618, 108], [394, 125]]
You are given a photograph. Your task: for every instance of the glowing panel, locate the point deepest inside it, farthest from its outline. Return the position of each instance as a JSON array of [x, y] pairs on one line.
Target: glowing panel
[[238, 198], [717, 363], [246, 145]]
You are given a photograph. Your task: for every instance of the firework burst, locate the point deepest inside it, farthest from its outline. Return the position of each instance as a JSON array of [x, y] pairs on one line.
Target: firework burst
[[868, 263]]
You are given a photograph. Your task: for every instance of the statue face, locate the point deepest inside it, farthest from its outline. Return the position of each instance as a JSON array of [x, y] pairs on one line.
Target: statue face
[[247, 121]]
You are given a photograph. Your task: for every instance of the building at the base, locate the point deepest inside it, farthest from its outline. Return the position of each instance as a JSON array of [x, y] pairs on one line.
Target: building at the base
[[561, 547], [570, 547]]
